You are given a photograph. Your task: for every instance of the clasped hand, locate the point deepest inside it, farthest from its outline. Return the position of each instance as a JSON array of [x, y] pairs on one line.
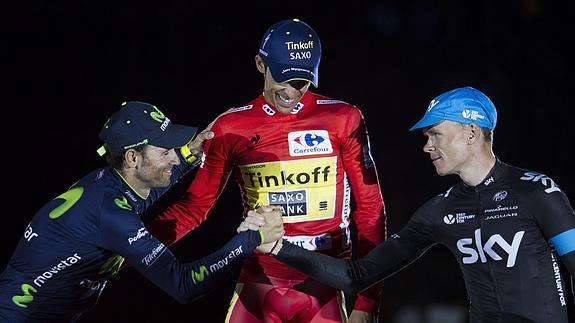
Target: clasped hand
[[268, 220]]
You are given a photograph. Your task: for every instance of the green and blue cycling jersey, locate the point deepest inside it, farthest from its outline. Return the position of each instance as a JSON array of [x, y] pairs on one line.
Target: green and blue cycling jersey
[[75, 243]]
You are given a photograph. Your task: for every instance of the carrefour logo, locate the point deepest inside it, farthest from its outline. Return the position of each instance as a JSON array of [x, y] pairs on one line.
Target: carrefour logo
[[309, 142], [319, 242]]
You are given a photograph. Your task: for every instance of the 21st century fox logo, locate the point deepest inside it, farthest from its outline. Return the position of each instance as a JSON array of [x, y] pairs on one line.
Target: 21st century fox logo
[[457, 218]]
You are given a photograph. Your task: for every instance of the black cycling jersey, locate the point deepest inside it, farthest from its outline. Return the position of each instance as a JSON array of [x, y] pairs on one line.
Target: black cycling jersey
[[78, 241], [513, 236]]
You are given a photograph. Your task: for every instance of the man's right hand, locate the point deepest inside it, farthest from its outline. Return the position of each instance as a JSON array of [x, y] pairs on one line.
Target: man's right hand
[[270, 212], [268, 220]]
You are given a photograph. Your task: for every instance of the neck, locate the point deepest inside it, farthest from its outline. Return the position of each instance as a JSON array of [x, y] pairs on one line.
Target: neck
[[132, 181], [477, 168]]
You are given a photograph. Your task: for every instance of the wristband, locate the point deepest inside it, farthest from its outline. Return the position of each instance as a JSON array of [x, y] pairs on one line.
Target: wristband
[[273, 248], [262, 238], [189, 156]]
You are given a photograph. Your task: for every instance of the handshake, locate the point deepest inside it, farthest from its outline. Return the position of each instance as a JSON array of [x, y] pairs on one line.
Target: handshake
[[268, 221]]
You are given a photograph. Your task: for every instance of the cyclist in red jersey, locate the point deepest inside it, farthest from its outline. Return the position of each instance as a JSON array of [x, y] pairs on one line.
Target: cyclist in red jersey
[[305, 153]]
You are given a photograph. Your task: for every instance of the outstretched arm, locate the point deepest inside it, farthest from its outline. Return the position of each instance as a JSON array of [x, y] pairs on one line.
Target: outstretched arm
[[356, 275], [194, 206], [124, 234], [352, 276]]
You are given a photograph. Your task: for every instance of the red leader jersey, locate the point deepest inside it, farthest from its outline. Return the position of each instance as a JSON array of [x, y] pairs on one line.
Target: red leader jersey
[[310, 162]]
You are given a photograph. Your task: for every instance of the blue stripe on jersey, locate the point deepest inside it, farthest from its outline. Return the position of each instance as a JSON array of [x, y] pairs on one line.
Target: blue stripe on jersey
[[564, 242]]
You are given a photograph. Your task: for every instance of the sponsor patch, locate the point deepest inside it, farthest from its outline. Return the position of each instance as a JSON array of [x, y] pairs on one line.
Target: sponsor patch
[[309, 142], [304, 189]]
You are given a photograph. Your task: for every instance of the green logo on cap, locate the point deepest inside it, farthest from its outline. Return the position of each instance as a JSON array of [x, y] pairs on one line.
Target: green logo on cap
[[157, 115]]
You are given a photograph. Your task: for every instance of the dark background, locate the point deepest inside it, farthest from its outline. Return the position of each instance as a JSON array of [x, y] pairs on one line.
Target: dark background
[[73, 62]]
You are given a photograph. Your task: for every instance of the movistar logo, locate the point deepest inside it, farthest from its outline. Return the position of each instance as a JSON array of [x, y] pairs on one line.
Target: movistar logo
[[122, 203], [157, 115], [23, 300], [112, 265], [70, 198], [199, 277]]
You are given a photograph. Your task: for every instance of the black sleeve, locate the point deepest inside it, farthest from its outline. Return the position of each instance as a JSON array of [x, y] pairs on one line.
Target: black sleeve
[[556, 218], [354, 276]]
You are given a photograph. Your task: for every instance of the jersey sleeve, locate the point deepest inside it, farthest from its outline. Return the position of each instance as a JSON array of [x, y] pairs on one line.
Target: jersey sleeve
[[194, 206], [124, 233], [369, 213], [356, 275], [556, 218]]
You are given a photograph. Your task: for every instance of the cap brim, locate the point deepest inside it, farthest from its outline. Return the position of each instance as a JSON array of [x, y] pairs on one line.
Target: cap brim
[[284, 73], [176, 135], [426, 121]]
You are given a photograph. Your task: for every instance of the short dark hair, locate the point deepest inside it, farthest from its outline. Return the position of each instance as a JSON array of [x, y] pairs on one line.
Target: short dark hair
[[487, 134], [116, 160]]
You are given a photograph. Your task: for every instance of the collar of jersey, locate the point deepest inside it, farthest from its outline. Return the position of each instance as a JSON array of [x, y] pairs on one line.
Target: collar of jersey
[[493, 177], [305, 100], [128, 185]]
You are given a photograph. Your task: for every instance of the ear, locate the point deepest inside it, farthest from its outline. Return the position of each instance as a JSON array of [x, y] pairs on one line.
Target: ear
[[131, 158], [473, 133], [261, 66]]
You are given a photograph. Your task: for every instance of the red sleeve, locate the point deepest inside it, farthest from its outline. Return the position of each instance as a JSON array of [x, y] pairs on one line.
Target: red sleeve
[[190, 210], [369, 212]]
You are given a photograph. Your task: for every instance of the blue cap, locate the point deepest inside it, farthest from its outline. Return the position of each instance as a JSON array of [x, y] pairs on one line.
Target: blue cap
[[464, 105], [292, 50], [140, 123]]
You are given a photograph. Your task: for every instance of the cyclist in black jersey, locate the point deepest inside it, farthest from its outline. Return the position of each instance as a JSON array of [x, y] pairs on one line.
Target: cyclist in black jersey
[[78, 241], [511, 230]]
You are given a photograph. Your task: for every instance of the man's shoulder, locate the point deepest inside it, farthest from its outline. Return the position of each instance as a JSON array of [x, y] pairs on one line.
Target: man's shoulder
[[443, 197], [323, 100], [104, 192], [82, 204], [530, 181], [237, 113]]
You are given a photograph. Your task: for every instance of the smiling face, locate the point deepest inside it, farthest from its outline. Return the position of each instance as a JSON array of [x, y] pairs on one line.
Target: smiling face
[[447, 146], [283, 96], [154, 167]]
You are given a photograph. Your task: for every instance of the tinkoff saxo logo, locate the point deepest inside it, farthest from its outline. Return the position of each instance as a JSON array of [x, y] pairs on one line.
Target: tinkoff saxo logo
[[304, 189]]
